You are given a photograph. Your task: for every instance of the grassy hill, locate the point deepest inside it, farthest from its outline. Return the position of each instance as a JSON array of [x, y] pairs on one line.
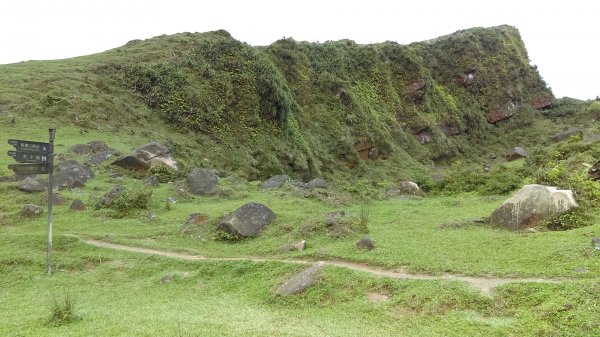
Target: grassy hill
[[364, 117]]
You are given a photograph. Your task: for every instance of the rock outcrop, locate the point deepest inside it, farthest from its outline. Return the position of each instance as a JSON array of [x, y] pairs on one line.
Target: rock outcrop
[[531, 205]]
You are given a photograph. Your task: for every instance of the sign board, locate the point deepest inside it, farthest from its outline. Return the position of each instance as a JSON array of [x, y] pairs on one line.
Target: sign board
[[30, 168], [29, 157], [29, 146]]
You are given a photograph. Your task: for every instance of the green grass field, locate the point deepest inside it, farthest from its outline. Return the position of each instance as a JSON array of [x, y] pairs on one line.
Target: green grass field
[[121, 294]]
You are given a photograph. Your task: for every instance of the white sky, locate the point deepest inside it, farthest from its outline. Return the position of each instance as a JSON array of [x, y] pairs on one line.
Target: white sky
[[562, 37]]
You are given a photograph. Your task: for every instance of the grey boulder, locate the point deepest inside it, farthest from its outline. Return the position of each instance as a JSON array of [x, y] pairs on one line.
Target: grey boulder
[[203, 181], [248, 220], [301, 281]]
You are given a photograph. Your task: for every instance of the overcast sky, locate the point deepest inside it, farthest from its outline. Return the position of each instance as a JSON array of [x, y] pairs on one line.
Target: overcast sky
[[562, 37]]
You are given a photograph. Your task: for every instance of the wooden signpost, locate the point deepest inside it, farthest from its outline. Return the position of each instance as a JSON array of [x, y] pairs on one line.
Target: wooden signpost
[[36, 158]]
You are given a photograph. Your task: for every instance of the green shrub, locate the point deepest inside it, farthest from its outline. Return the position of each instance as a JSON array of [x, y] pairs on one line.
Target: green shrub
[[163, 173], [131, 200]]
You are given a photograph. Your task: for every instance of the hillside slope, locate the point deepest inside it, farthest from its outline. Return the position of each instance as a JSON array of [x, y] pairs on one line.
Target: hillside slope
[[298, 107]]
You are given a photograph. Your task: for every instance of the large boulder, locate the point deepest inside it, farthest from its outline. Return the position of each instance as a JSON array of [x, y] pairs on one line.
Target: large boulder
[[410, 188], [248, 220], [72, 175], [32, 184], [203, 181], [146, 156], [301, 281], [531, 205]]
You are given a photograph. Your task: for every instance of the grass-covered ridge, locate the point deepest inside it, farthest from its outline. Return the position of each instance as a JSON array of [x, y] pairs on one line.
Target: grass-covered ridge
[[306, 108]]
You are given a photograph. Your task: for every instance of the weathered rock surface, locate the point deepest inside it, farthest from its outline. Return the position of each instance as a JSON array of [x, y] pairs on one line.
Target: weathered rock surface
[[274, 182], [301, 281], [516, 153], [146, 156], [196, 219], [531, 205], [410, 188], [317, 183], [99, 158], [300, 246], [32, 184], [248, 220], [57, 199], [566, 134], [502, 113], [72, 175], [203, 181], [31, 210], [107, 199]]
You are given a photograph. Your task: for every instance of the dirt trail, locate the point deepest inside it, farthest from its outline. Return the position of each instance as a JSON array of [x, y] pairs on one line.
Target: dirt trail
[[483, 284]]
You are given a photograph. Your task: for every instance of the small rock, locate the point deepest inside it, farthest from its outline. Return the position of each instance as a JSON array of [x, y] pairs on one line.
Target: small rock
[[596, 243], [516, 153], [300, 246], [77, 205], [166, 279], [152, 181], [317, 183], [99, 158], [301, 281], [248, 220], [31, 210], [203, 181], [196, 219], [365, 243], [57, 199], [274, 182], [81, 149]]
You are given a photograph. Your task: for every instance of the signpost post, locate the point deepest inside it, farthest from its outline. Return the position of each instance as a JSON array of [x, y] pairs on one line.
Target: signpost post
[[36, 158]]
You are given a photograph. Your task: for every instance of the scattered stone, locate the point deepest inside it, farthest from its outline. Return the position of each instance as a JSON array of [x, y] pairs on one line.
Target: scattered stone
[[146, 156], [149, 215], [171, 200], [317, 183], [596, 243], [566, 134], [301, 281], [108, 198], [166, 279], [77, 205], [415, 86], [32, 184], [31, 210], [531, 205], [334, 218], [365, 243], [57, 199], [99, 158], [203, 181], [542, 102], [502, 113], [98, 146], [72, 175], [274, 182], [196, 219], [516, 153], [300, 246], [248, 220], [152, 181], [410, 188], [81, 149], [594, 171]]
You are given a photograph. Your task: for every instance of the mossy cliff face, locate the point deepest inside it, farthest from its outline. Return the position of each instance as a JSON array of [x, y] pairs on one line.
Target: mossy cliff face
[[313, 108]]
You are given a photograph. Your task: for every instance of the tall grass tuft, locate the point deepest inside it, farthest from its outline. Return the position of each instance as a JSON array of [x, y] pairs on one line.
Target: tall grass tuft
[[363, 215], [63, 310]]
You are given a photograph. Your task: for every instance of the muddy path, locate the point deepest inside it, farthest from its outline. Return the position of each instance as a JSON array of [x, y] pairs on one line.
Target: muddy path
[[485, 285]]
